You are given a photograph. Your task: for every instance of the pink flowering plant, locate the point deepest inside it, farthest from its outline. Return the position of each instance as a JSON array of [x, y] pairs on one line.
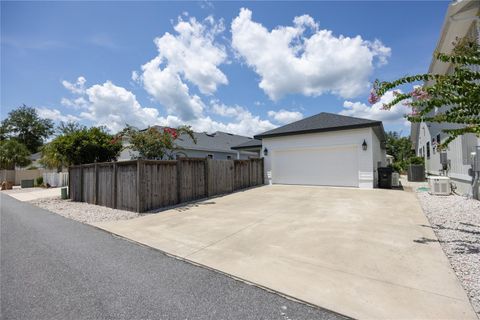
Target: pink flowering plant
[[444, 98], [157, 143]]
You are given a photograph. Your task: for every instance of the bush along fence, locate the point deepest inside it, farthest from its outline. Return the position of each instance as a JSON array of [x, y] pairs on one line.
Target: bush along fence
[[143, 185]]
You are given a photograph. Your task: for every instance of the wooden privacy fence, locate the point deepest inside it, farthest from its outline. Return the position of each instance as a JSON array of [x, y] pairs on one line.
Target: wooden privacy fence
[[142, 185]]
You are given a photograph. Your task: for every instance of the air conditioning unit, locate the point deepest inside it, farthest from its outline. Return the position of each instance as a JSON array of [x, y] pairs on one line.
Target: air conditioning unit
[[439, 185]]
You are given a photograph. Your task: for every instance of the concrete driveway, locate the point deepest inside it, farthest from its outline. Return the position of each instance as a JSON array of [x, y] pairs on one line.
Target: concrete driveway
[[362, 253]]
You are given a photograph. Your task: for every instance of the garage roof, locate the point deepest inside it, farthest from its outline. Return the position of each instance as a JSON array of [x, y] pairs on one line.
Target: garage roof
[[323, 122], [253, 143]]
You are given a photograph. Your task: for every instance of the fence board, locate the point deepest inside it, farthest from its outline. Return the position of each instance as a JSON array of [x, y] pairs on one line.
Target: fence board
[[192, 179], [105, 185], [127, 186], [75, 179], [160, 185], [55, 179], [146, 184], [88, 181], [241, 176], [220, 176]]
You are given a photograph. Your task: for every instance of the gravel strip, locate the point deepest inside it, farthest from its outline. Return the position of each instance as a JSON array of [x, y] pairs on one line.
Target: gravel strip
[[83, 212], [456, 222]]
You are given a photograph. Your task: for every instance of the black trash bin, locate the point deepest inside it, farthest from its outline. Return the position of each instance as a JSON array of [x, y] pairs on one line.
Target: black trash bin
[[385, 177]]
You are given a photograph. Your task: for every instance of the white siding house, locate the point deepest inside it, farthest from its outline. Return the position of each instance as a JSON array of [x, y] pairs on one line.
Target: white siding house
[[462, 19]]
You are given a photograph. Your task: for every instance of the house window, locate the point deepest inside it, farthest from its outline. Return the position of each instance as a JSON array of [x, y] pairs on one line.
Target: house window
[[209, 156], [428, 150]]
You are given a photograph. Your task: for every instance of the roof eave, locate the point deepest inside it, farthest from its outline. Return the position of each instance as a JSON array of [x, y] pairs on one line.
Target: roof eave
[[356, 126], [247, 147]]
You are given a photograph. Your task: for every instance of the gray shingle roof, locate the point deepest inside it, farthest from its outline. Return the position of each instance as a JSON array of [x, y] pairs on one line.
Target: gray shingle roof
[[252, 143], [217, 141], [319, 123]]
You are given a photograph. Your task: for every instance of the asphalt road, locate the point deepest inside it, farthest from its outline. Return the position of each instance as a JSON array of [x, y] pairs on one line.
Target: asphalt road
[[56, 268]]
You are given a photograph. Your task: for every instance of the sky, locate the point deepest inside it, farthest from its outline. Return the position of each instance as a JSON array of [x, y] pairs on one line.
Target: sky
[[239, 67]]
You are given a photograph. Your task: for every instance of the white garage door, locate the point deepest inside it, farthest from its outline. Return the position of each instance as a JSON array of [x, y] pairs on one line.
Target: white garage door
[[335, 166]]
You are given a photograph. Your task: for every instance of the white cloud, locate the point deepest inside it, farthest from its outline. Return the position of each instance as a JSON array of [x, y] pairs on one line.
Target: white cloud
[[223, 110], [190, 55], [376, 112], [284, 116], [245, 122], [167, 87], [288, 60], [76, 88], [135, 76], [114, 107], [77, 103], [55, 115]]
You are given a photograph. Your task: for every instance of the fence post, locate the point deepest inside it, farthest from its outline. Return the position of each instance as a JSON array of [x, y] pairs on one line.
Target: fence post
[[207, 171], [81, 183], [69, 183], [179, 181], [139, 184], [95, 195], [114, 185]]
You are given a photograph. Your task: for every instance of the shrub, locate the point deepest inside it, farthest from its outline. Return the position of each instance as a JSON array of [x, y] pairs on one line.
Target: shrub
[[39, 181], [416, 160]]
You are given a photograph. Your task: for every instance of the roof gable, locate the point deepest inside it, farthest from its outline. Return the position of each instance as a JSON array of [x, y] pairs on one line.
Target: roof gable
[[319, 123]]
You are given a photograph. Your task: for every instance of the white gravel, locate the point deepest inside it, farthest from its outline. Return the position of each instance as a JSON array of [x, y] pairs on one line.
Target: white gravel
[[456, 222], [83, 212]]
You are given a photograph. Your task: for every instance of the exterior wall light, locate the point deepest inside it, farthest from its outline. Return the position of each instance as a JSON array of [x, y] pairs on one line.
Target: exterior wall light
[[265, 152], [364, 145]]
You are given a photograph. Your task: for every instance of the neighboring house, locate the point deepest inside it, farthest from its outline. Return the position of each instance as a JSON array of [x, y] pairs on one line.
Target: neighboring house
[[217, 145], [390, 160], [35, 158], [325, 149], [461, 20]]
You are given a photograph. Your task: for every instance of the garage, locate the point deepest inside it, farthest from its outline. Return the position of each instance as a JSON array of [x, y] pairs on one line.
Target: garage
[[329, 166], [326, 150]]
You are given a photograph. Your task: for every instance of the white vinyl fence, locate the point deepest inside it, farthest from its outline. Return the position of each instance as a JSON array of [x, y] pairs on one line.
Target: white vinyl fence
[[56, 179]]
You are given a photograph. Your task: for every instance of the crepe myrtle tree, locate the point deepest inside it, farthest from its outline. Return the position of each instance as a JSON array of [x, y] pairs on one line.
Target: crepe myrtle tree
[[459, 90], [156, 143]]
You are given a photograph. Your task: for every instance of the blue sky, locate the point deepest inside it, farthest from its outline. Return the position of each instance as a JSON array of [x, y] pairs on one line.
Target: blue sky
[[213, 65]]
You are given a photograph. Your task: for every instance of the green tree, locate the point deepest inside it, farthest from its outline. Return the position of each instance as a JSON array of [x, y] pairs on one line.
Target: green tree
[[68, 127], [401, 149], [24, 124], [79, 146], [455, 97], [13, 153], [154, 143]]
